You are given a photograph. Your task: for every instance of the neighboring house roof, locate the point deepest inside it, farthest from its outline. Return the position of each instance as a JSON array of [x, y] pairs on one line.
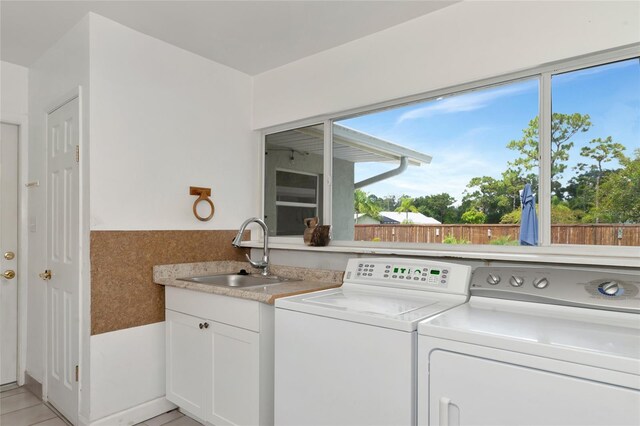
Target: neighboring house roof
[[364, 219], [397, 217], [417, 218], [348, 144]]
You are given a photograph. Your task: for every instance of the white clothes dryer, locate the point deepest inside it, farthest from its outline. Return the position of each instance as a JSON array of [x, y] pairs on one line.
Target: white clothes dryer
[[347, 356], [535, 346]]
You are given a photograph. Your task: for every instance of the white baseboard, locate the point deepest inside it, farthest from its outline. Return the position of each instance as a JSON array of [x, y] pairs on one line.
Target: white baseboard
[[34, 386], [136, 414]]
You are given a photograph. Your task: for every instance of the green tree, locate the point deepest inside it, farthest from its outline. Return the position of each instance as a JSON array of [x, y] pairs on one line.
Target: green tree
[[364, 205], [600, 151], [513, 181], [406, 206], [388, 203], [491, 196], [375, 200], [562, 213], [563, 128], [621, 192], [474, 216], [440, 207], [580, 191]]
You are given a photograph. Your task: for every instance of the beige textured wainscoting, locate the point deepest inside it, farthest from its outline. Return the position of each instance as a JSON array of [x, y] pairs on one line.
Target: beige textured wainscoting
[[123, 294]]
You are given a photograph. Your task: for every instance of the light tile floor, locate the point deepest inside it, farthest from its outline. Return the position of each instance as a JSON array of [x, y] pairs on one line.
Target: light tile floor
[[19, 407], [172, 418]]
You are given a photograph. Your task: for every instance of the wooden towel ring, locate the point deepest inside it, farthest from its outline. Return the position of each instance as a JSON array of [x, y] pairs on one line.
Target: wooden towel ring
[[203, 195]]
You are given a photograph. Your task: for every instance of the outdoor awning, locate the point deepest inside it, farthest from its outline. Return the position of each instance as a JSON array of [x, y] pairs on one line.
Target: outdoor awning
[[348, 144]]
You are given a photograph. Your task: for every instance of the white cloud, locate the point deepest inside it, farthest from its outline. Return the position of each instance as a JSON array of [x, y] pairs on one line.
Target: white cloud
[[465, 102], [586, 72]]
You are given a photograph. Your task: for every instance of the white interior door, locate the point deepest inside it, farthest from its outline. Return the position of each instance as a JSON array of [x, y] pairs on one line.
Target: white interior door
[[63, 259], [8, 251]]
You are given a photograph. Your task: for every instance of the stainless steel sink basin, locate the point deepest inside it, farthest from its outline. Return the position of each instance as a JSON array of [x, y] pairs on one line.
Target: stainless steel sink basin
[[236, 280]]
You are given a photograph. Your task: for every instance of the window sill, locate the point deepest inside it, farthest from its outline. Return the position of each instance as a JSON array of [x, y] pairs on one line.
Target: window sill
[[565, 254]]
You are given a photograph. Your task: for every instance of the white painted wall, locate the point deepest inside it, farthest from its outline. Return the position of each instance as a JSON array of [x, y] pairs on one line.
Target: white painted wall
[[462, 43], [127, 369], [55, 75], [14, 89], [164, 119], [160, 119]]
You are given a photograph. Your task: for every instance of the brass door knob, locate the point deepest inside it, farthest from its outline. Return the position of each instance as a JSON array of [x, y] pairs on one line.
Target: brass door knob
[[9, 274], [46, 275], [9, 255]]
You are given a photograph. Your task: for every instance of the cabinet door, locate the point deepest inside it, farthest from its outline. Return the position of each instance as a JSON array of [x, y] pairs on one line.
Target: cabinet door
[[234, 374], [188, 361], [465, 390]]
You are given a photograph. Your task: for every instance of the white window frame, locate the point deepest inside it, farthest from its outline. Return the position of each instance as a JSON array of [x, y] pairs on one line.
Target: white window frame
[[544, 252]]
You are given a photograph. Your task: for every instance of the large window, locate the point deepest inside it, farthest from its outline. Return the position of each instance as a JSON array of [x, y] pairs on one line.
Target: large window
[[445, 170], [595, 155], [538, 159]]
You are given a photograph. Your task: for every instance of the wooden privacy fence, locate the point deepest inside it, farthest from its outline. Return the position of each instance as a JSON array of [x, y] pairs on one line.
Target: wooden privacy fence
[[584, 234]]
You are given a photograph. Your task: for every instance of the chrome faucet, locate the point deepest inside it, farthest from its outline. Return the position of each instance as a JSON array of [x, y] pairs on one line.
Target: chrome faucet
[[261, 264]]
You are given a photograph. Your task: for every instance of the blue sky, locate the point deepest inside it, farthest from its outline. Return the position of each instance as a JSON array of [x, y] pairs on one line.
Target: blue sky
[[467, 133]]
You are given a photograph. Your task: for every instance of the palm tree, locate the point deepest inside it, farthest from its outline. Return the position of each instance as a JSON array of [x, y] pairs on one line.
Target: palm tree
[[406, 206], [363, 204]]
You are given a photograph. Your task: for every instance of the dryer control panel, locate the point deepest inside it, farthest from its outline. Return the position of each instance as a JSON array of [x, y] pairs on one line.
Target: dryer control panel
[[591, 288], [409, 273]]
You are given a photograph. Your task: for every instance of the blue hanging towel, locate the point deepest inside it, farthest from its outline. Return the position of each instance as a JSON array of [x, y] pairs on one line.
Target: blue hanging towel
[[529, 220]]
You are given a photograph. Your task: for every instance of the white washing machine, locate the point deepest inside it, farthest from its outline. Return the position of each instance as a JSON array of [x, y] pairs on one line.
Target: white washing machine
[[347, 356], [535, 346]]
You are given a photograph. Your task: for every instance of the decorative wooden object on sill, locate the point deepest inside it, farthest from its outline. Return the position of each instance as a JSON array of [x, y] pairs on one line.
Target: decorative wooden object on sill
[[203, 195], [314, 234]]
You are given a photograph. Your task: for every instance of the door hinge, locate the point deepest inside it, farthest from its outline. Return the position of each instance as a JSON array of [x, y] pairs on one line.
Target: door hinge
[[77, 373], [77, 153]]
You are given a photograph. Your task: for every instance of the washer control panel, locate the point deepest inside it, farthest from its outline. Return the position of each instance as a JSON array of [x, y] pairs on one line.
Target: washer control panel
[[596, 288], [409, 273]]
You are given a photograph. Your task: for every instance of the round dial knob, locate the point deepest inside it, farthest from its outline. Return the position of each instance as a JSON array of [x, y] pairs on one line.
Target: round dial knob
[[540, 282], [610, 288], [493, 279], [516, 281]]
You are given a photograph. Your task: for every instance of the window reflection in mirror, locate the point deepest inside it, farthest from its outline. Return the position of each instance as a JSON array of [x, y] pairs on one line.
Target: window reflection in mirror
[[293, 179]]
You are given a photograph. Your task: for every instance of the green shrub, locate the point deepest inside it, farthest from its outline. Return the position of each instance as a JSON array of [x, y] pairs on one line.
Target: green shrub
[[504, 241], [450, 239], [473, 216], [512, 217]]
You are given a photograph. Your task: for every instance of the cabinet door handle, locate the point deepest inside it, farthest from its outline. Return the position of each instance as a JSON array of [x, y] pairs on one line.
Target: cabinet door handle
[[206, 325], [446, 408], [201, 325]]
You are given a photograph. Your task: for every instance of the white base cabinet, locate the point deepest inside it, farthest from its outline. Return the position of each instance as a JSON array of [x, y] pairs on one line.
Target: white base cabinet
[[219, 357]]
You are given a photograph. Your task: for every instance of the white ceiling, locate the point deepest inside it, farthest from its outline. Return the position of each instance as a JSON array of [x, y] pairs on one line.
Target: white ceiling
[[250, 36]]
